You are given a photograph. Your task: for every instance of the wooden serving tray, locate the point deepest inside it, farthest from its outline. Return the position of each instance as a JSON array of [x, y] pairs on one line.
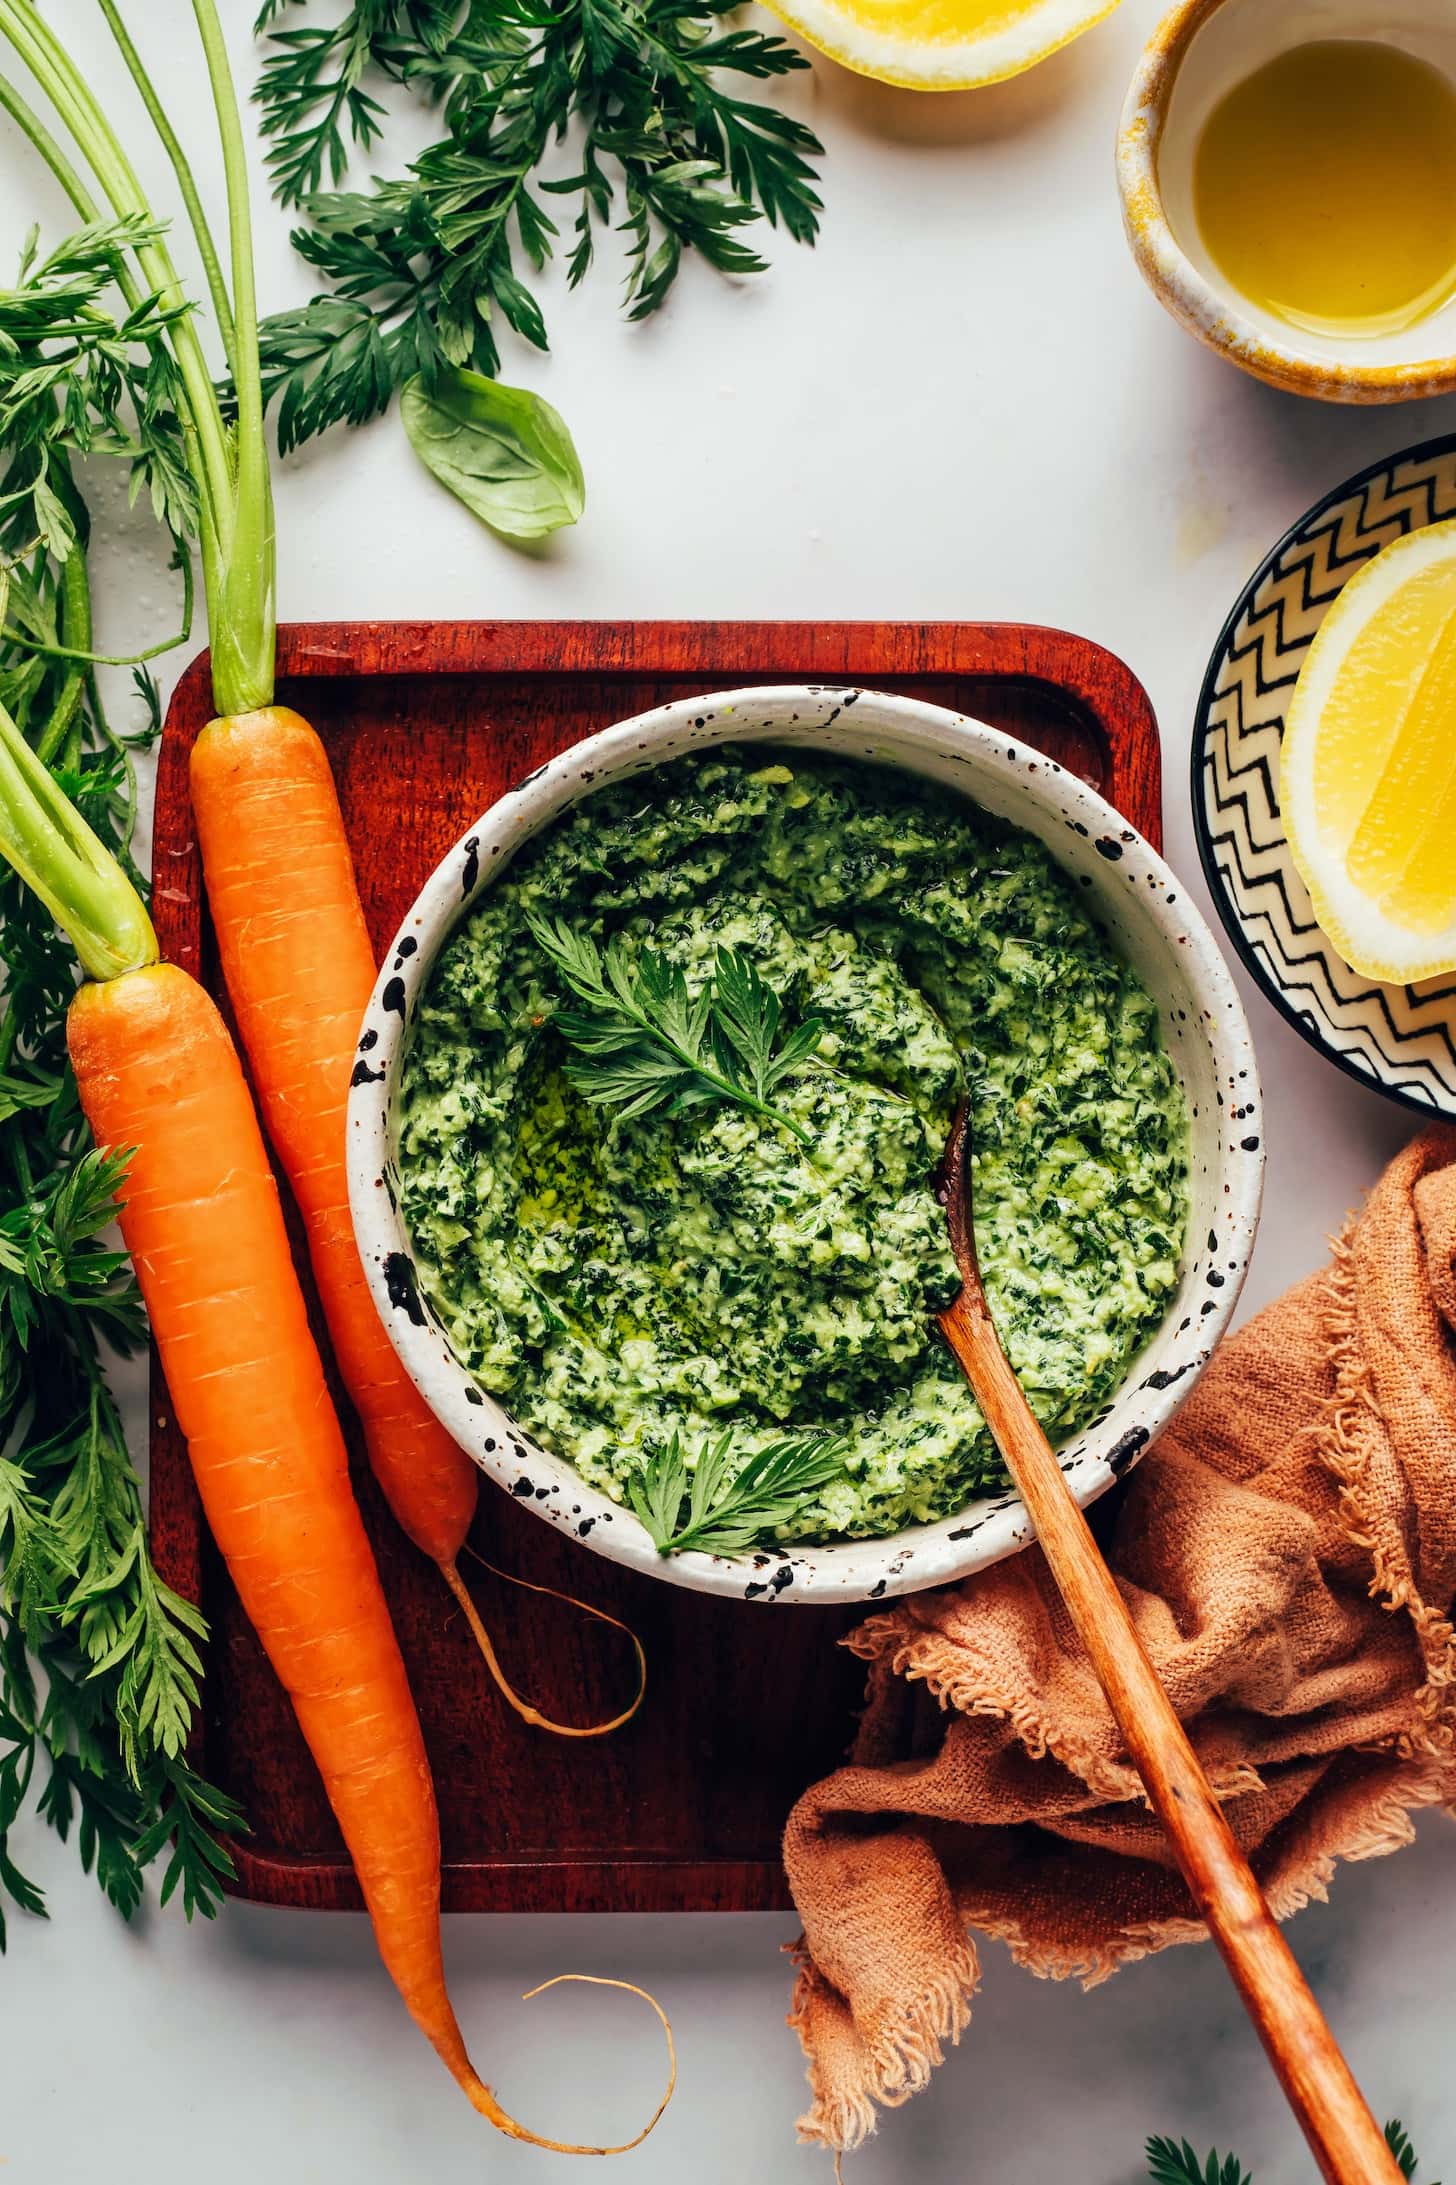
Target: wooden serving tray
[[426, 723]]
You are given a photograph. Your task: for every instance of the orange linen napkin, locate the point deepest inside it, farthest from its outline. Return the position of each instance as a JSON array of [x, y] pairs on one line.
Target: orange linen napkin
[[1288, 1550]]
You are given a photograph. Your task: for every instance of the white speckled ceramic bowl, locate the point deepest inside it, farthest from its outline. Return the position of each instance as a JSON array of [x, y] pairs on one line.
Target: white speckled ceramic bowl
[[1142, 904], [1199, 51]]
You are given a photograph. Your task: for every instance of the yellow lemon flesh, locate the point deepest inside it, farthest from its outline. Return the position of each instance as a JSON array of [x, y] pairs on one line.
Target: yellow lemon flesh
[[1368, 769], [941, 45]]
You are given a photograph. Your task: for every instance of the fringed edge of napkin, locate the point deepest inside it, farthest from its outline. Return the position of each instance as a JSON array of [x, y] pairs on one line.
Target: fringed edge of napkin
[[1343, 1440], [903, 2056]]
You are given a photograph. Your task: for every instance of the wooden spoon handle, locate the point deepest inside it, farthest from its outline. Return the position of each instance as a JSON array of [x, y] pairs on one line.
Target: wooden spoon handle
[[1345, 2139]]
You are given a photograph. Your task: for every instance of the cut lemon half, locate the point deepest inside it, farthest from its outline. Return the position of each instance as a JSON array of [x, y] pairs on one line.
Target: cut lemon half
[[1368, 769], [941, 45]]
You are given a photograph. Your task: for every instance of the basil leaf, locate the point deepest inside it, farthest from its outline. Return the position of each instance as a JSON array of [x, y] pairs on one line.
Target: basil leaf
[[501, 450]]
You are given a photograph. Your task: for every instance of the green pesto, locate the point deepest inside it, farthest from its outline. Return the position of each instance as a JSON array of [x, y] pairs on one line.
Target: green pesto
[[610, 1281]]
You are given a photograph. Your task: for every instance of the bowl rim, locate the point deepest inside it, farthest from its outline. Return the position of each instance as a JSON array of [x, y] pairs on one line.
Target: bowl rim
[[1215, 315], [1219, 892], [916, 1556]]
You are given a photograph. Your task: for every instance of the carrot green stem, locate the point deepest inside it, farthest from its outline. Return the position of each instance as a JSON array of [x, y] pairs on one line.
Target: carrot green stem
[[30, 124], [24, 643], [81, 112], [243, 635], [56, 854], [75, 625], [77, 106], [229, 467], [206, 247]]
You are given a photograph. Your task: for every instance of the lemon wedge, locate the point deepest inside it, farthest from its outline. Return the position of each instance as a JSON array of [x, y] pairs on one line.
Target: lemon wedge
[[941, 45], [1368, 769]]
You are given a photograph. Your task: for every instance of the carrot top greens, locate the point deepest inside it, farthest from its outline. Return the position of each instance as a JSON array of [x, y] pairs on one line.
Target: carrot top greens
[[217, 461], [588, 115], [1173, 2162]]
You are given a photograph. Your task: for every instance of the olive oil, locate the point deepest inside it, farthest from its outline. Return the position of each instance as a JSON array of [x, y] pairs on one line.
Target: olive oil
[[1324, 187]]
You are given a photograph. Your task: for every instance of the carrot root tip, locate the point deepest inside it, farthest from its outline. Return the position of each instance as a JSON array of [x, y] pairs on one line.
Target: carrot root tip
[[485, 2102], [532, 1715]]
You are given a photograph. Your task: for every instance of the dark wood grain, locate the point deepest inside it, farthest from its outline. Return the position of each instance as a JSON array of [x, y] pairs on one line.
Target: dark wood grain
[[1344, 2138], [425, 724]]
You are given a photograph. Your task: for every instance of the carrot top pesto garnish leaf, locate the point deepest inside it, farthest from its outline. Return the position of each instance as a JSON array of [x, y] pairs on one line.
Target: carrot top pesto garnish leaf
[[726, 1511], [646, 1042]]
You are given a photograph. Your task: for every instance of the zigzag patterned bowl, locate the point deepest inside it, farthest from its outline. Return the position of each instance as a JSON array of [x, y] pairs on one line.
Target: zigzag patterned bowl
[[1400, 1039]]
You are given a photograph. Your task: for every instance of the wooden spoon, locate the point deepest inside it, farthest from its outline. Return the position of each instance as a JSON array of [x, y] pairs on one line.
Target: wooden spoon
[[1347, 2143]]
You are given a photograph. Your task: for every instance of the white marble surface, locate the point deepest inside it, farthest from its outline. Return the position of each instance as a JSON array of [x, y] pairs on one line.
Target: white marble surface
[[963, 403]]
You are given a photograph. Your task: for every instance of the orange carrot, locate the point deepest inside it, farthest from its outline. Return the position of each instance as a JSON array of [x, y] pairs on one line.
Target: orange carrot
[[157, 1073], [300, 969]]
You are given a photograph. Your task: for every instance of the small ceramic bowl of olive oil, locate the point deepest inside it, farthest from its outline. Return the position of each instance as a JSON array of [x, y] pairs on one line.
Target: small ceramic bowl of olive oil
[[1288, 178]]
